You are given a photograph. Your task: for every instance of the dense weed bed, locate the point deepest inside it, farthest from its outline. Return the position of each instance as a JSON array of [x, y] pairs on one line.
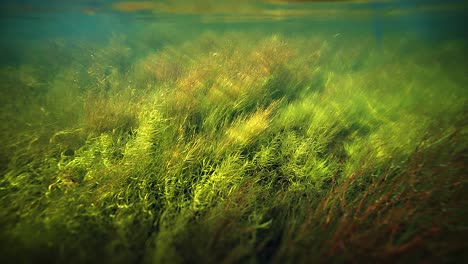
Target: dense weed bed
[[235, 148]]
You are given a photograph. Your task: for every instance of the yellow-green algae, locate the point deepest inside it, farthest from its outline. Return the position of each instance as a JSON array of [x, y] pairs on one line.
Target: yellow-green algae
[[234, 148]]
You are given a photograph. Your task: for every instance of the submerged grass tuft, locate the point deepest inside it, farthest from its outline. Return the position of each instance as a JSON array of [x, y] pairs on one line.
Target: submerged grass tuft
[[235, 148]]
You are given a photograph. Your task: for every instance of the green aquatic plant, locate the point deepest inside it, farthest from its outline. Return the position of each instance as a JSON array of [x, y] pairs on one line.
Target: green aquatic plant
[[235, 147]]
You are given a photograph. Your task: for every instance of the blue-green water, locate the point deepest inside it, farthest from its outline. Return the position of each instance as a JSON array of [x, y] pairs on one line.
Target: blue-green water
[[97, 20], [26, 21]]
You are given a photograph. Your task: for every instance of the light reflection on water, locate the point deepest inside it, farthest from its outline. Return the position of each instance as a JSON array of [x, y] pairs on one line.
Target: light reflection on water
[[90, 20], [233, 10]]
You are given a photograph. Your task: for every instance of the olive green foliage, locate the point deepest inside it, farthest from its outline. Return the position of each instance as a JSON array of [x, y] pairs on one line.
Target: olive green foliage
[[235, 147]]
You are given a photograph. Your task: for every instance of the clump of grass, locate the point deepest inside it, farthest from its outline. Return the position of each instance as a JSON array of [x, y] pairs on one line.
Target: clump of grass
[[246, 130], [387, 213], [103, 114], [235, 148]]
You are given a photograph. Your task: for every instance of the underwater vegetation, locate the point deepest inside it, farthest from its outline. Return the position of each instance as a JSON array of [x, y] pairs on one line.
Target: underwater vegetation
[[235, 148]]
